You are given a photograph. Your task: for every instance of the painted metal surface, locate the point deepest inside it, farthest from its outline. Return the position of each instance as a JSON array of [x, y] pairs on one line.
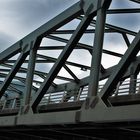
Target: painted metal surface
[[43, 102]]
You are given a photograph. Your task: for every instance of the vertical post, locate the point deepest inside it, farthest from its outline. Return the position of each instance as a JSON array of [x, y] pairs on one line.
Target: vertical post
[[133, 77], [4, 105], [117, 88], [62, 59], [12, 73], [30, 74], [96, 55], [14, 104]]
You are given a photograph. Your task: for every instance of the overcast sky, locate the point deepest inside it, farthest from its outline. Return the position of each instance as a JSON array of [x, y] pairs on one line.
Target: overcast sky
[[19, 17]]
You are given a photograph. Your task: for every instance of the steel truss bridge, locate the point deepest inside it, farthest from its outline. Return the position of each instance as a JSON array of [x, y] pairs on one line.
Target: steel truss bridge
[[48, 104]]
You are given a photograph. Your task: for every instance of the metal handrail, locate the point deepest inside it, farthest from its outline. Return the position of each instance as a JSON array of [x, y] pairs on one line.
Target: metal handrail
[[59, 97]]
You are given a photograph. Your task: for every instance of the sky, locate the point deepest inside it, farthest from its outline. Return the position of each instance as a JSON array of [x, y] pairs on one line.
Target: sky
[[20, 17]]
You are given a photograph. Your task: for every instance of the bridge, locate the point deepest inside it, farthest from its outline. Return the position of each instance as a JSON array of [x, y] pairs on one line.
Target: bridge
[[49, 93]]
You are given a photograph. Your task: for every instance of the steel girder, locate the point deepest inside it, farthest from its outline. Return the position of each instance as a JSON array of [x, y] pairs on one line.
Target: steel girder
[[97, 107]]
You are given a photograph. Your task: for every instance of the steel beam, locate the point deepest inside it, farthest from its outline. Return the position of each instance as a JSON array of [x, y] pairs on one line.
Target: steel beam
[[88, 31], [30, 76], [123, 11], [62, 58], [39, 73], [126, 39], [84, 46], [133, 80], [45, 29], [13, 88], [124, 63], [12, 73], [97, 52], [52, 60], [72, 74], [11, 51], [98, 111], [22, 70], [85, 81], [116, 28]]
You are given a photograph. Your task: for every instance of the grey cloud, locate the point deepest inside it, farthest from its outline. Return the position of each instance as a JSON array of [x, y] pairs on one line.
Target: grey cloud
[[120, 4], [20, 17], [27, 15], [129, 21], [32, 13], [5, 41]]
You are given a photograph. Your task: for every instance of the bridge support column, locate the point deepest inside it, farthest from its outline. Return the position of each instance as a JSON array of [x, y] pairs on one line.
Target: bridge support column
[[30, 76], [98, 45]]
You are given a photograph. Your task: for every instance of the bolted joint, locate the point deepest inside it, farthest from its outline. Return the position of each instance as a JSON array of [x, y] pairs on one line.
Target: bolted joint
[[27, 46], [25, 110], [91, 6], [90, 103]]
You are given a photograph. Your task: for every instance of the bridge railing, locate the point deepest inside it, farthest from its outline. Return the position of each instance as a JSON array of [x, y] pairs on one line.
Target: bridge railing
[[12, 103], [123, 88]]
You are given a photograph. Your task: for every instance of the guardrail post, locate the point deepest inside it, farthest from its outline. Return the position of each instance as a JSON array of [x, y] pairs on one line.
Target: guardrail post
[[133, 77], [14, 104]]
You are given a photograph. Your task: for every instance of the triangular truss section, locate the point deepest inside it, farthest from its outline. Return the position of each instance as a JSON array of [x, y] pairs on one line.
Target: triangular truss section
[[52, 78]]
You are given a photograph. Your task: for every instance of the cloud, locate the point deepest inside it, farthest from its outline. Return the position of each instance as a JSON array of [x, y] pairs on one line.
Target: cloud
[[29, 14], [123, 4], [5, 41], [19, 18], [128, 21]]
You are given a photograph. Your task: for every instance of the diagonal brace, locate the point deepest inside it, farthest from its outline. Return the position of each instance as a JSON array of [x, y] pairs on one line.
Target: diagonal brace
[[122, 66], [12, 73], [62, 58], [72, 74]]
